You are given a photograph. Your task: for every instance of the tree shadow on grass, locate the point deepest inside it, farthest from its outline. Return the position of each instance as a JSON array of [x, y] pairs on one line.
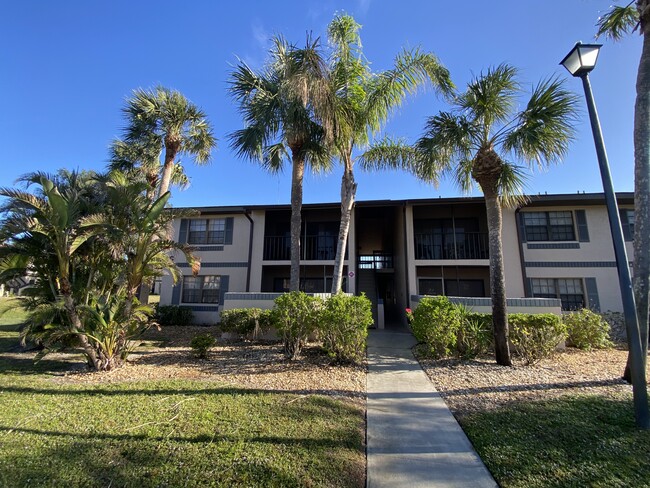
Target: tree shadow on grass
[[570, 441], [220, 452]]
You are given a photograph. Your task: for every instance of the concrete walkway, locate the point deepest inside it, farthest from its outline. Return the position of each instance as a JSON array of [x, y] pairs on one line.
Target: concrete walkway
[[413, 439]]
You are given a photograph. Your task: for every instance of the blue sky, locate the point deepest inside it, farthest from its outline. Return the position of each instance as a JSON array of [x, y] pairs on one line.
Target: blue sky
[[66, 68]]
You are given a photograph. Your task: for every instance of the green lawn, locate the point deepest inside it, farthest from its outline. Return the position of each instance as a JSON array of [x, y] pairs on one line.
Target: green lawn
[[574, 441], [167, 433]]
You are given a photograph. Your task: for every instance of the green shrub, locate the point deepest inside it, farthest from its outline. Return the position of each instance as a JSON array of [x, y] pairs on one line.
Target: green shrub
[[587, 330], [436, 322], [246, 321], [474, 335], [343, 324], [201, 344], [174, 315], [535, 336], [295, 316]]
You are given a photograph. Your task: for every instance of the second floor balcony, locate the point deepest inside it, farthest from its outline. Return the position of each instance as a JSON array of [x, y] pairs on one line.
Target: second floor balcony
[[465, 245], [312, 248]]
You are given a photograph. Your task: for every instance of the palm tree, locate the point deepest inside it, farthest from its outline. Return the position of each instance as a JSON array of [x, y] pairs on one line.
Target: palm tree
[[52, 220], [616, 23], [364, 101], [164, 118], [474, 143], [279, 106], [141, 160]]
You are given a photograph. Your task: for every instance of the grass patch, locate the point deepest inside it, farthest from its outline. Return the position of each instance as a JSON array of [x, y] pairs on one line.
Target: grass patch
[[167, 433], [571, 441]]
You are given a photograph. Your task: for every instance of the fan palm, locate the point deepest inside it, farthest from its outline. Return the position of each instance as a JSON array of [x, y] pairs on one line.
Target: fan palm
[[615, 24], [164, 118], [279, 106], [475, 143], [364, 101]]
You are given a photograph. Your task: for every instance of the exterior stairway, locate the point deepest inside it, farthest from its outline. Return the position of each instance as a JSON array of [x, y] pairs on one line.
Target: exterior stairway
[[367, 284]]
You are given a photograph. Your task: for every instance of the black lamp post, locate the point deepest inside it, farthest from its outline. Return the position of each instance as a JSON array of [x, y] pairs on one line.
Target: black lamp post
[[579, 62]]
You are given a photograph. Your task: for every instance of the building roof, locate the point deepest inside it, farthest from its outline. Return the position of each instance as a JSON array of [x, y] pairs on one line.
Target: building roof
[[566, 199]]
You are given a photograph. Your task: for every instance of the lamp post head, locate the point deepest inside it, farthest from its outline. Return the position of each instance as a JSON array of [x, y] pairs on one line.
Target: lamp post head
[[581, 59]]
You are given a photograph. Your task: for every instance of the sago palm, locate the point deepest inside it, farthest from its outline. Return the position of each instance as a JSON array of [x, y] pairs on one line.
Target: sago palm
[[480, 141], [164, 119], [364, 101], [279, 105]]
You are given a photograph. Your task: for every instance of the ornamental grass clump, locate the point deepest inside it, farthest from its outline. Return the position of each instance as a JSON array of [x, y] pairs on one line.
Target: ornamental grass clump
[[474, 335], [587, 330]]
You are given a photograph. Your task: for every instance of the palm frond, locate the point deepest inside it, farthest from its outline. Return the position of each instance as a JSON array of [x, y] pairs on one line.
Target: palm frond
[[512, 180], [618, 22], [491, 97], [545, 128]]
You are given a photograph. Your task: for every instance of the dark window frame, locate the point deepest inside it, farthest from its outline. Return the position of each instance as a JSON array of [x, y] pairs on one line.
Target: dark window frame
[[201, 294], [547, 231], [570, 301], [208, 236]]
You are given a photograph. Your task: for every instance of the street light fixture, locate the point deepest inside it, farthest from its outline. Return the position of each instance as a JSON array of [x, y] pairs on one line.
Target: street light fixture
[[579, 62]]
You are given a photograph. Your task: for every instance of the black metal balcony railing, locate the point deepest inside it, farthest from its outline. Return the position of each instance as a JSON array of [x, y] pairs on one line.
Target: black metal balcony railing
[[375, 261], [278, 248], [468, 245]]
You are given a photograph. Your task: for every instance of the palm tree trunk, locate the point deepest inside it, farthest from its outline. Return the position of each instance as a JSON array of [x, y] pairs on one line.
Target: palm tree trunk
[[641, 279], [298, 172], [348, 192], [497, 279], [75, 321], [168, 167]]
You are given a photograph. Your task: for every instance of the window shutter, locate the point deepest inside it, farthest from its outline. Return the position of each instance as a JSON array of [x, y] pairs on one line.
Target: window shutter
[[625, 223], [176, 293], [583, 231], [229, 226], [528, 287], [592, 294], [522, 227], [182, 235], [223, 287]]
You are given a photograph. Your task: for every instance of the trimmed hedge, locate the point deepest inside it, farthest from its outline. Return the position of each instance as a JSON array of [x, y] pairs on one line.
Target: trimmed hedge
[[246, 321], [436, 322], [535, 336], [343, 325], [587, 330], [295, 317], [174, 315]]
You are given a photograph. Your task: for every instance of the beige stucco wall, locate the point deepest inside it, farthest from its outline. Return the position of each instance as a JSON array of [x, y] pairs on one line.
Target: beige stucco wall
[[599, 249], [511, 255]]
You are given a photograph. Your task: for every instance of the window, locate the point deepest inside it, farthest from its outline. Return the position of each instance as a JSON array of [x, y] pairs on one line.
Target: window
[[201, 289], [207, 231], [430, 286], [464, 288], [569, 290], [627, 222], [549, 226]]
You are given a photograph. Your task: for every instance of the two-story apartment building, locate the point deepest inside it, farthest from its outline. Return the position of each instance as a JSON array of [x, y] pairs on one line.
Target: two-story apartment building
[[555, 246]]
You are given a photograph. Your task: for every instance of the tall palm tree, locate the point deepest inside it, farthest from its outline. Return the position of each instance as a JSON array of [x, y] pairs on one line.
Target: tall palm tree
[[614, 25], [475, 143], [141, 160], [364, 101], [279, 105], [164, 119]]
